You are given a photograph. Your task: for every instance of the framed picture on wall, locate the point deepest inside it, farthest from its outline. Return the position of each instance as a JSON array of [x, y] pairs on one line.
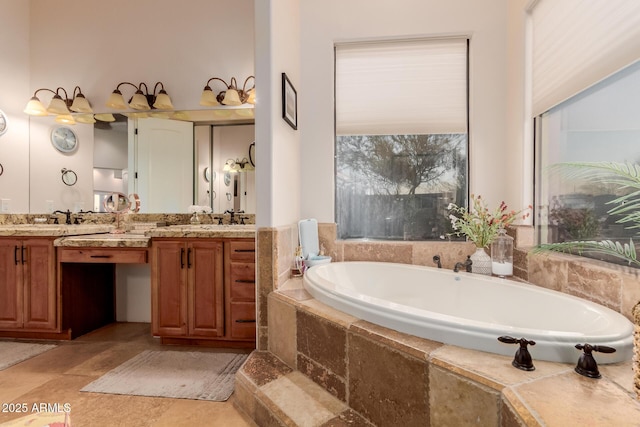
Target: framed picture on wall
[[289, 102]]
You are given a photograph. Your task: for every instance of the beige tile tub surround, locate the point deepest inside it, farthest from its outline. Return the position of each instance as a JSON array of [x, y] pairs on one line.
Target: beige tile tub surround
[[617, 287], [391, 378]]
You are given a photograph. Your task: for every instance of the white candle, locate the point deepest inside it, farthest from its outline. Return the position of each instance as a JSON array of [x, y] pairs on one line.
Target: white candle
[[502, 268]]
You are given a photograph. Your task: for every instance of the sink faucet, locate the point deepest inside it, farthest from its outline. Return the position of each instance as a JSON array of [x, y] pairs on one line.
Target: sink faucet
[[67, 213], [467, 265], [231, 212], [232, 220]]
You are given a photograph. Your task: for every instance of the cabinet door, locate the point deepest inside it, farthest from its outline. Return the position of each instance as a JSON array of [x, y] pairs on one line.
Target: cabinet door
[[169, 288], [206, 303], [38, 271], [10, 284]]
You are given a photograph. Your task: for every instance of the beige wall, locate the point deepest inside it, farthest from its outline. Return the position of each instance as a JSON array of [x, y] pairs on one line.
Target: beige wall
[[326, 22], [278, 171]]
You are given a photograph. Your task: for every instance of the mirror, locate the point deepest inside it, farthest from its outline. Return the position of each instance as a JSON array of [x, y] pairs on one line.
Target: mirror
[[110, 159], [116, 202]]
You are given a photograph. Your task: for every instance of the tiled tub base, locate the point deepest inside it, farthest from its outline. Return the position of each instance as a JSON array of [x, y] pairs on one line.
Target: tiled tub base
[[327, 368]]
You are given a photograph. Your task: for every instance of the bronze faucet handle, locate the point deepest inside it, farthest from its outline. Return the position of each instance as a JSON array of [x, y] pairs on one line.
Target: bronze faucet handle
[[587, 365], [522, 359]]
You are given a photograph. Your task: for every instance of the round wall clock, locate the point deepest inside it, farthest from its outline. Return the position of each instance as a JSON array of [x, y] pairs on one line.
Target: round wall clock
[[64, 139], [3, 123]]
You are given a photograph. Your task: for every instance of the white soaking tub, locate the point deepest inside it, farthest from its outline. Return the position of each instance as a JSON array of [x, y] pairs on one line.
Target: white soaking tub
[[471, 310]]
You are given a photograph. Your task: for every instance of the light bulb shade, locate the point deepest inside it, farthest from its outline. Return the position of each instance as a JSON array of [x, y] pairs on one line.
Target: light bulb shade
[[208, 98], [231, 97], [80, 104], [180, 115], [58, 106], [251, 99], [236, 168], [105, 117], [222, 113], [139, 102], [65, 119], [226, 167], [35, 108], [85, 118], [160, 114], [244, 112], [139, 115], [116, 101], [163, 102]]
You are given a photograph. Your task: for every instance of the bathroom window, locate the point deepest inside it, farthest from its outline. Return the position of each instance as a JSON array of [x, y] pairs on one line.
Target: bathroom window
[[600, 124], [401, 137]]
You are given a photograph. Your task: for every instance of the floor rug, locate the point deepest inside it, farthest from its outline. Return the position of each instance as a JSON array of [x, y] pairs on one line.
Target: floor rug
[[178, 374], [12, 352]]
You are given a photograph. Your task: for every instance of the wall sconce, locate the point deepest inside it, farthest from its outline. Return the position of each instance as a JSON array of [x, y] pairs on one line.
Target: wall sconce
[[237, 165], [141, 100], [231, 95], [62, 107]]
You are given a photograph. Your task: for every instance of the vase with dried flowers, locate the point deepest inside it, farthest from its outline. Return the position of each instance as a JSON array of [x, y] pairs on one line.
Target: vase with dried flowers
[[480, 225]]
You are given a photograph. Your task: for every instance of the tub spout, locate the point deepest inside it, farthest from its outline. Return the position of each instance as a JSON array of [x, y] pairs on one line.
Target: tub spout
[[436, 260], [466, 264], [587, 365]]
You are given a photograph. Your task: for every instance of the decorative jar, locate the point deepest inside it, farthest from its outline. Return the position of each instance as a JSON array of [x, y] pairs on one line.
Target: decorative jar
[[502, 254], [481, 262]]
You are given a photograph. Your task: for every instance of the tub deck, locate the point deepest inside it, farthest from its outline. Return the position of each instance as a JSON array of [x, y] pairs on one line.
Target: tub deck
[[361, 373]]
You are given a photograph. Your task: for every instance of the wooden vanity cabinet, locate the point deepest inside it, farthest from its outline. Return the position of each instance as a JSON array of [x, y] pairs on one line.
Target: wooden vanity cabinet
[[187, 288], [240, 289], [28, 285], [203, 291]]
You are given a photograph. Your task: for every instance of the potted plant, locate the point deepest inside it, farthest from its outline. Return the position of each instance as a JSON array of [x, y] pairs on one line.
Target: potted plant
[[479, 225], [626, 208]]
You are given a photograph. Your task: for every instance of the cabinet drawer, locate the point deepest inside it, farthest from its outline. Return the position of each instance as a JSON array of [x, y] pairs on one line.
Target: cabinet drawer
[[243, 320], [242, 281], [242, 250], [115, 256]]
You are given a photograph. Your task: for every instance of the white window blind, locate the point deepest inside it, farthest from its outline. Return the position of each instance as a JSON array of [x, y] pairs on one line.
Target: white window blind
[[401, 87], [577, 43]]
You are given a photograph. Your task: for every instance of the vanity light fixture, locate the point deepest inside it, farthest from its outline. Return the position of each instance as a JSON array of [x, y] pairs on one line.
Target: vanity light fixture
[[141, 100], [231, 95], [105, 117], [60, 106], [237, 165]]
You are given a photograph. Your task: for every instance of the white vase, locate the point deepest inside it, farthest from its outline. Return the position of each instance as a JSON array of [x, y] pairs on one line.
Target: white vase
[[481, 262]]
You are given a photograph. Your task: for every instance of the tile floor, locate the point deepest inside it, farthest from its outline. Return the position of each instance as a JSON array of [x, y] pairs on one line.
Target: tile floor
[[58, 375]]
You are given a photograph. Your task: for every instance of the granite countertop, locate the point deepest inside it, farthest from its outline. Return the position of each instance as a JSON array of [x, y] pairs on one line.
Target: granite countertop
[[53, 230], [205, 231], [108, 240], [101, 235]]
